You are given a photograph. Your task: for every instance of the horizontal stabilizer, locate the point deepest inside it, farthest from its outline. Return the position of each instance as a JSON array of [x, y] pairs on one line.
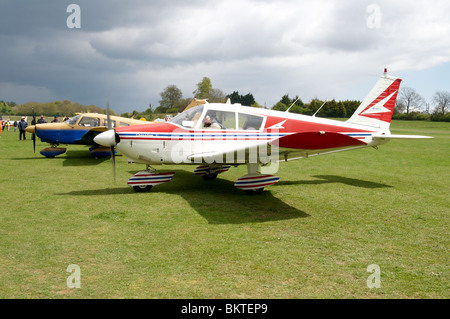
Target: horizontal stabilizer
[[380, 136]]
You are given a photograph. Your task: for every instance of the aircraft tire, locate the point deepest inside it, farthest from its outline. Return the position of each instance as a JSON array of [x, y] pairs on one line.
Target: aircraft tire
[[209, 177], [142, 189], [255, 191]]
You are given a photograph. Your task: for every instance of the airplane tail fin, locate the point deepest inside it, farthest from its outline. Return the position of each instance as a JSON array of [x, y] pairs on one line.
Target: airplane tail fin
[[377, 108]]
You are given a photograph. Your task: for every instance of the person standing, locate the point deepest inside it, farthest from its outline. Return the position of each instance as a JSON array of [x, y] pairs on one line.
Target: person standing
[[22, 126], [15, 126], [41, 120]]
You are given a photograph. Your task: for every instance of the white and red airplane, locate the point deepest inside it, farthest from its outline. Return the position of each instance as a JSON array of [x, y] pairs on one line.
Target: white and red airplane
[[215, 136]]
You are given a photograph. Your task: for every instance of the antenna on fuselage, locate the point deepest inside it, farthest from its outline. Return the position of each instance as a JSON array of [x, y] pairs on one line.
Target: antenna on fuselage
[[292, 104], [314, 115]]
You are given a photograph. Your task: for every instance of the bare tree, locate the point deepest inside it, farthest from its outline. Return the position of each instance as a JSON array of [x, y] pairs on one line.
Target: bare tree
[[441, 100], [410, 99], [399, 106]]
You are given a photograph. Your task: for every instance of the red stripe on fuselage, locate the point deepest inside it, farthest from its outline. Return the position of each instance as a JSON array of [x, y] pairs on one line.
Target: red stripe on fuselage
[[305, 134]]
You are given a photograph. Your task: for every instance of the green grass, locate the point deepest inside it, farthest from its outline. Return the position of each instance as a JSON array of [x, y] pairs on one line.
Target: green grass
[[312, 235]]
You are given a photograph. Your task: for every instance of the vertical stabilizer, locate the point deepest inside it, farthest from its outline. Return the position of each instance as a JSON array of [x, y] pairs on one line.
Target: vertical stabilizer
[[377, 108]]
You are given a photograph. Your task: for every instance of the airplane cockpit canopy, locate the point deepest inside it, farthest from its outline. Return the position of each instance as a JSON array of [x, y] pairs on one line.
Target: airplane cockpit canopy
[[210, 118], [73, 120], [188, 118]]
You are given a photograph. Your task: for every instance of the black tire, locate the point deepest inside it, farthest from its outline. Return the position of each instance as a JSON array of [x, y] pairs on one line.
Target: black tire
[[209, 177], [255, 191], [143, 188]]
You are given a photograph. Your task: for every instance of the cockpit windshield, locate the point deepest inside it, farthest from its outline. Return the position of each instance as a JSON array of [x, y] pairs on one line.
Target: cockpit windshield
[[188, 118], [73, 120]]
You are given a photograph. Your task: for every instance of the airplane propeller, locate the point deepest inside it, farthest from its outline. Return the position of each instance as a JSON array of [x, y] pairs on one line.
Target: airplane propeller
[[33, 136], [113, 155]]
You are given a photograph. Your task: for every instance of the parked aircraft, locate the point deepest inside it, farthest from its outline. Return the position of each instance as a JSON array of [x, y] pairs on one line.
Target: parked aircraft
[[215, 136], [80, 129]]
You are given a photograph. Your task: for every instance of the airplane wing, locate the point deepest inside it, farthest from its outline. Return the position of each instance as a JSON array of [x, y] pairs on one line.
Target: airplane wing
[[88, 137], [317, 141], [306, 144], [239, 153], [293, 145]]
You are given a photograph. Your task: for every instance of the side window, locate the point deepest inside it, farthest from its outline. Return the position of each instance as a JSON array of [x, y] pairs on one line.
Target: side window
[[88, 121], [124, 124], [219, 120], [249, 122], [113, 123]]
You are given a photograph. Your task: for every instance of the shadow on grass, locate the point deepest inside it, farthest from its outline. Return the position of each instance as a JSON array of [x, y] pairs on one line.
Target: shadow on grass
[[70, 158], [326, 179], [218, 201], [82, 158]]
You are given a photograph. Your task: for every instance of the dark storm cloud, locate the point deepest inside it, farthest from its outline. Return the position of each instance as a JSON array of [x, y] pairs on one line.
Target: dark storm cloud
[[131, 50]]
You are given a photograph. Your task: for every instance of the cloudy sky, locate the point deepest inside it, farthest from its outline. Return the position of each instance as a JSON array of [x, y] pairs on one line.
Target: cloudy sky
[[129, 51]]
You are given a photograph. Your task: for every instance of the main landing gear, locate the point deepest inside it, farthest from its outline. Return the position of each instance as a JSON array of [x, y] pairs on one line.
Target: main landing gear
[[100, 151], [54, 150], [96, 151], [210, 172], [254, 182], [144, 181]]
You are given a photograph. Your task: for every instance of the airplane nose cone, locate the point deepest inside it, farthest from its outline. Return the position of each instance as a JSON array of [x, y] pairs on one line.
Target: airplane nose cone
[[107, 138], [31, 129]]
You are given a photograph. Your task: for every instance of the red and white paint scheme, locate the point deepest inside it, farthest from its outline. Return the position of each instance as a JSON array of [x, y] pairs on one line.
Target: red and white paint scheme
[[216, 135], [145, 180]]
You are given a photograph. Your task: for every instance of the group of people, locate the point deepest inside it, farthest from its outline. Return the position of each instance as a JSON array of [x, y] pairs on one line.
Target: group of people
[[43, 120], [22, 125], [6, 124]]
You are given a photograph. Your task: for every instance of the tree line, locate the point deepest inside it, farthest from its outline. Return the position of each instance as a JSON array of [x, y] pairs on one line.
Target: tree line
[[172, 101], [410, 105], [59, 108]]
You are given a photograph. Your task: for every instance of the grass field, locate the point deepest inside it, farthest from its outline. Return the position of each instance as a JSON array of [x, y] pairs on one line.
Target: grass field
[[312, 235]]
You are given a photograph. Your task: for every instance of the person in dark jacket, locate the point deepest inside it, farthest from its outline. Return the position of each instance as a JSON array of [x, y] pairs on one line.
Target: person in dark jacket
[[41, 120], [22, 126]]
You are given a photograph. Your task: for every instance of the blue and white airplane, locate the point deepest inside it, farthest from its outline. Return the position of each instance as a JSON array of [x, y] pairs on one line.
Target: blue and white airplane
[[80, 129]]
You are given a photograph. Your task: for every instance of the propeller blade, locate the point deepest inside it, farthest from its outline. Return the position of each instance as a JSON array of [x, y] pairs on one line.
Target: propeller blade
[[33, 136], [108, 116], [113, 157], [109, 124]]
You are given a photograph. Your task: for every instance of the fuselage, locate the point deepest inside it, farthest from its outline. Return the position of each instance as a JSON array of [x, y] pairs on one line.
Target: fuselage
[[241, 134], [75, 129]]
